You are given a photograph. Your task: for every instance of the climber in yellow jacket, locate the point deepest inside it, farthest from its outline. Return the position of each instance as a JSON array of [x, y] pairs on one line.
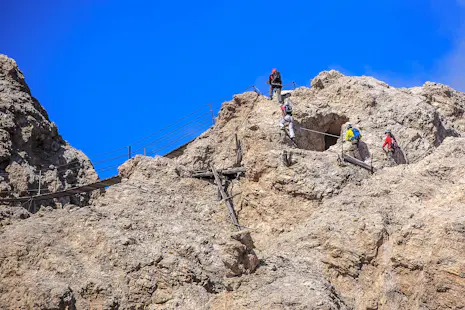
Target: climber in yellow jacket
[[353, 135]]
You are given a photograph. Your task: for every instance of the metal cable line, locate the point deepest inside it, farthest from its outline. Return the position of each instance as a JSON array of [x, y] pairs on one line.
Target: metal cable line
[[152, 134], [168, 133], [171, 125], [189, 131], [320, 132], [199, 130], [185, 126], [198, 127]]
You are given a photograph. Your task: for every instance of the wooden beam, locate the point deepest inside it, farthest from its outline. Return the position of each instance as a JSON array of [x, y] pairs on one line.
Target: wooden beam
[[227, 200], [359, 163], [209, 174], [238, 151], [230, 197]]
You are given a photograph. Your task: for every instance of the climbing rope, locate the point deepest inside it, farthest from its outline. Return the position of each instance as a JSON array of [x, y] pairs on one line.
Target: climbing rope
[[320, 132]]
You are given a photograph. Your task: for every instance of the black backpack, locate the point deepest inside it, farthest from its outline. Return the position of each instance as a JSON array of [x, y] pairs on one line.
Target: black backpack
[[288, 109], [276, 78], [394, 144]]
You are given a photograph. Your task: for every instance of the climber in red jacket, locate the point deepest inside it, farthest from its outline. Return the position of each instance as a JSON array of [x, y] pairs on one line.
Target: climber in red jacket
[[275, 83], [391, 143]]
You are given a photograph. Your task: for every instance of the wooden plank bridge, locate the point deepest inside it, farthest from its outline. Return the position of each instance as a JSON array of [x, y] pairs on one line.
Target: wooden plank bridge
[[357, 162], [66, 192]]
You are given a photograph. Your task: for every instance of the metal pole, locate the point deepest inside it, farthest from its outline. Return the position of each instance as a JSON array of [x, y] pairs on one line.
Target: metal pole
[[342, 145], [238, 151], [371, 163], [129, 152], [213, 115], [40, 179], [145, 151]]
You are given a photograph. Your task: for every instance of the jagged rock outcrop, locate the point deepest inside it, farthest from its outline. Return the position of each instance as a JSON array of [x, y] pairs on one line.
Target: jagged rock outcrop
[[155, 239], [450, 103], [321, 234], [29, 143]]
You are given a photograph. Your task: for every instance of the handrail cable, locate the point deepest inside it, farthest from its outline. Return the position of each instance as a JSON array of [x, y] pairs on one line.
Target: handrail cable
[[177, 140], [191, 122], [154, 141], [319, 132], [170, 142]]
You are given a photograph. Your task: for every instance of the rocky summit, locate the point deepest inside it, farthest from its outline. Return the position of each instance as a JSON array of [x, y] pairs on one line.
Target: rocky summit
[[315, 232], [31, 149]]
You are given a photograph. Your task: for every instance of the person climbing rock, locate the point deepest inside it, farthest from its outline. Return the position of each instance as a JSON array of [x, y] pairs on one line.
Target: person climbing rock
[[353, 135], [276, 84], [391, 144], [286, 109]]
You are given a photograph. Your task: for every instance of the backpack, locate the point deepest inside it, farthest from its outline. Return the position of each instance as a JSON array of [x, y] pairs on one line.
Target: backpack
[[288, 109], [276, 78], [356, 132], [394, 144]]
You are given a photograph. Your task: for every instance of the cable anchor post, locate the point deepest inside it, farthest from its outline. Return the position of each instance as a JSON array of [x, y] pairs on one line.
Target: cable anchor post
[[213, 114], [342, 145], [40, 180], [257, 90]]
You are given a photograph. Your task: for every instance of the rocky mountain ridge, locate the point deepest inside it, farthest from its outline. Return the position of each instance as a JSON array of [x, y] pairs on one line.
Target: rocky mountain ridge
[[321, 234]]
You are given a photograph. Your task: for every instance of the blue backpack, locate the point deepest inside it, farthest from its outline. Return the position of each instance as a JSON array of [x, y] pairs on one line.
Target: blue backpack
[[357, 134]]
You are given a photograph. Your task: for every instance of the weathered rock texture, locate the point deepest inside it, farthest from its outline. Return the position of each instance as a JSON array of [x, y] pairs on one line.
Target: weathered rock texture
[[321, 234], [30, 143]]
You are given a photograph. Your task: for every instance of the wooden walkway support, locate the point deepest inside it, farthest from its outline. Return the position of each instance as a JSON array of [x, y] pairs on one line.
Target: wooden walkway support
[[67, 192], [238, 151], [227, 172], [359, 163], [227, 200]]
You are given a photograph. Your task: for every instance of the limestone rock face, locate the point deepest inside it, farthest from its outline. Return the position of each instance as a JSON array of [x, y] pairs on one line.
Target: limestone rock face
[[152, 240], [447, 100], [30, 144], [318, 233], [325, 79]]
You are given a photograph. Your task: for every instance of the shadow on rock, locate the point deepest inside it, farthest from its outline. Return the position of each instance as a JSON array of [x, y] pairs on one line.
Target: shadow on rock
[[399, 157], [363, 151]]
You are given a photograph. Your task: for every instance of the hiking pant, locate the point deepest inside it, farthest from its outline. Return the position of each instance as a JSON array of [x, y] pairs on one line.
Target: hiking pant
[[390, 157], [288, 119], [353, 149], [278, 92]]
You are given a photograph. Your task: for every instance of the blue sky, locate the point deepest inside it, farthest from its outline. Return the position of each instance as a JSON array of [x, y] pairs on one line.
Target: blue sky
[[112, 72]]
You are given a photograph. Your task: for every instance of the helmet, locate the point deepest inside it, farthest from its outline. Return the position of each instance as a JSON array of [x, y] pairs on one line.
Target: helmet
[[388, 131], [273, 71], [349, 126]]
